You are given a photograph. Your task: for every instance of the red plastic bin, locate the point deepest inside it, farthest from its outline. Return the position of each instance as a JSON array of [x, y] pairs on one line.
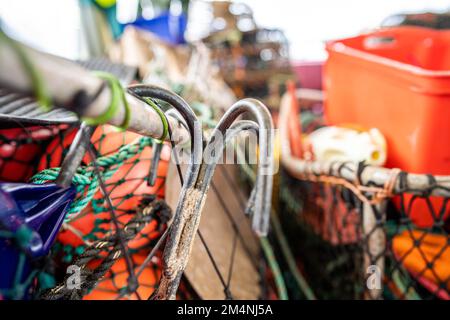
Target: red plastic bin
[[397, 80]]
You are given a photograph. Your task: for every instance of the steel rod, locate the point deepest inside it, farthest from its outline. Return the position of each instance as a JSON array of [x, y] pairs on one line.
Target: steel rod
[[176, 253], [70, 85], [73, 159], [378, 176]]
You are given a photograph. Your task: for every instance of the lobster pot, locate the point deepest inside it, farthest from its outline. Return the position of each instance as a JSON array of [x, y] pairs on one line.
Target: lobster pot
[[327, 235], [349, 246], [29, 152]]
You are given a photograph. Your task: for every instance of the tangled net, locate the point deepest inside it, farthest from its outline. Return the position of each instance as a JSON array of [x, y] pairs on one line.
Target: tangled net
[[403, 239], [89, 239]]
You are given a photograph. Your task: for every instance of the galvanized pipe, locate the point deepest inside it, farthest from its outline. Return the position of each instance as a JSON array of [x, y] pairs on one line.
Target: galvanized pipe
[[377, 176], [74, 88], [177, 251]]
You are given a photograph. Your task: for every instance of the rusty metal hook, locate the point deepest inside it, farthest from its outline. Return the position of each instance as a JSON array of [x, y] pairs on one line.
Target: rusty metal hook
[[262, 192], [176, 253], [193, 124]]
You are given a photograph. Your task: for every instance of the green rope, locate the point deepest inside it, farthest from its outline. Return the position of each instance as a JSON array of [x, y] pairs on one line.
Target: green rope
[[407, 292], [274, 266], [285, 250], [162, 116], [86, 180], [83, 179], [39, 88], [117, 96]]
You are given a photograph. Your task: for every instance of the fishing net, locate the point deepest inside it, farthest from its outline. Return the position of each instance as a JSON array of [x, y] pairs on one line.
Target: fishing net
[[21, 148], [113, 231], [418, 259], [352, 247], [325, 233], [359, 231], [89, 239]]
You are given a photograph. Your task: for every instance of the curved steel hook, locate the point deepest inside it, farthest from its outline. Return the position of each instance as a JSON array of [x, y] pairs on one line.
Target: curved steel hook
[[176, 253], [262, 192], [194, 126], [183, 212], [207, 171]]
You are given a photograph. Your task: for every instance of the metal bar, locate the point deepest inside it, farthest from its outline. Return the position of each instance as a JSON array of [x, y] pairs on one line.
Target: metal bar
[[176, 254], [190, 119], [374, 259], [266, 164], [377, 176], [68, 84], [75, 155]]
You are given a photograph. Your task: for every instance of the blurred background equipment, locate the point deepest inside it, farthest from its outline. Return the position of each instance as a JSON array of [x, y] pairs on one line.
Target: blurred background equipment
[[433, 20], [254, 61], [223, 17]]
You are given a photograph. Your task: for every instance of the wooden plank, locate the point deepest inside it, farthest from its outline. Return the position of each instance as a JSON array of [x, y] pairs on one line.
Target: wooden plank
[[218, 232]]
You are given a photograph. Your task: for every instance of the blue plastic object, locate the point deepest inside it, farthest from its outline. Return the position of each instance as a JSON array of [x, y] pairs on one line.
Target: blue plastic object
[[33, 215], [168, 27]]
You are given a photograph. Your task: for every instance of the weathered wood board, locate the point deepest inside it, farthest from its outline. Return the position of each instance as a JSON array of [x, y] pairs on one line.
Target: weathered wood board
[[219, 235]]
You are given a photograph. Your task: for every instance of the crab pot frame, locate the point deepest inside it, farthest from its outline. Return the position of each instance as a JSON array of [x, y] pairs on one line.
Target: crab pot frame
[[357, 238], [361, 231]]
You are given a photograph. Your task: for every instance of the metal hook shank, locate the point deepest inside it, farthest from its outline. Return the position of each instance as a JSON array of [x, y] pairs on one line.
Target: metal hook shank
[[264, 181], [184, 212], [177, 252]]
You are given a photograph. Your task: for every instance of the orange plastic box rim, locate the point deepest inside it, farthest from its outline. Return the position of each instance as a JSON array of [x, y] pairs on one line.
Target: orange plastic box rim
[[397, 80]]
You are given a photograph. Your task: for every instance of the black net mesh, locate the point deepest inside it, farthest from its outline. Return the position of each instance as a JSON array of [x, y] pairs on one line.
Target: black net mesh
[[418, 259], [89, 239], [343, 243], [21, 149]]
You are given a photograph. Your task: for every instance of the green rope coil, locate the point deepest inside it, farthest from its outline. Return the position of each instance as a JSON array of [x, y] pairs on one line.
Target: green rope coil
[[161, 114], [117, 96], [86, 180]]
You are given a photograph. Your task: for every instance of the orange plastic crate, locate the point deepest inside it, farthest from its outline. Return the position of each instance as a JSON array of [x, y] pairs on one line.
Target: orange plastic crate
[[397, 80]]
